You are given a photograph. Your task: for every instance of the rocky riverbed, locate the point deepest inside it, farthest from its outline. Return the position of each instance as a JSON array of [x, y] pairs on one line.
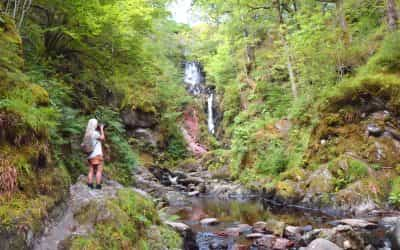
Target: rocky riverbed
[[223, 215]]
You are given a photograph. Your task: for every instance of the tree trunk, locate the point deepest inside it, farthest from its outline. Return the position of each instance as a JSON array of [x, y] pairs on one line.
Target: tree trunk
[[342, 22], [289, 65], [392, 16]]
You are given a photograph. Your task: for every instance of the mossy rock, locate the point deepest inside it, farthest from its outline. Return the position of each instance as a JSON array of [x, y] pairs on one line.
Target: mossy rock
[[288, 191], [295, 174], [365, 191], [320, 181], [40, 95]]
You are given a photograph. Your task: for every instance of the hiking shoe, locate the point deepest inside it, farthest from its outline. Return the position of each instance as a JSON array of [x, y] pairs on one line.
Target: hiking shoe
[[90, 185], [98, 186]]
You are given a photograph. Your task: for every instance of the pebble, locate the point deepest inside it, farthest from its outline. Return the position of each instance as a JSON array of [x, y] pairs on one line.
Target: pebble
[[254, 235], [209, 221]]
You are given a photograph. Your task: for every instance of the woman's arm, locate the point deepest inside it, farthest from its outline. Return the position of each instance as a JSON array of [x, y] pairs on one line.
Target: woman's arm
[[102, 136]]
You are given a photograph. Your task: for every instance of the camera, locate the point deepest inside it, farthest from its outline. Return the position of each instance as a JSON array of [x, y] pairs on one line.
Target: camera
[[102, 124]]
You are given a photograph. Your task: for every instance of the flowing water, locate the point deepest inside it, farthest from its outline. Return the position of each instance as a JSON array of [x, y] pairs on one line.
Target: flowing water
[[194, 79], [210, 120], [231, 213]]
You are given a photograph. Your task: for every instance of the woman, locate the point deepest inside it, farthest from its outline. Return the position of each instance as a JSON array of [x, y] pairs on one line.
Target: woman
[[95, 135]]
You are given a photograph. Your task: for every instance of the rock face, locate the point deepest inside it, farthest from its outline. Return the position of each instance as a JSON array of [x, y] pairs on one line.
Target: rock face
[[113, 207], [133, 119], [322, 244]]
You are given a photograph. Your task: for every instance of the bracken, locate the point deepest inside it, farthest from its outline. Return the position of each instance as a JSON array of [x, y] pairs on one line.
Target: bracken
[[8, 178]]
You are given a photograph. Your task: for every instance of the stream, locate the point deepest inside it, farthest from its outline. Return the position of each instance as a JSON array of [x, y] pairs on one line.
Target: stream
[[237, 225], [233, 214]]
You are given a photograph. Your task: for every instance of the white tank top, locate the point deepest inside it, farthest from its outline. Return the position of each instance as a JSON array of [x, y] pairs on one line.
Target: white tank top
[[96, 145]]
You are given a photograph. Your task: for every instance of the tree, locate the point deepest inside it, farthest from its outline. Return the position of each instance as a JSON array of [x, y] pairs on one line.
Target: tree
[[18, 10]]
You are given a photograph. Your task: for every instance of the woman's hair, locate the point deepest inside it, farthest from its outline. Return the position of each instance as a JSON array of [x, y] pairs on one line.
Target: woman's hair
[[91, 127]]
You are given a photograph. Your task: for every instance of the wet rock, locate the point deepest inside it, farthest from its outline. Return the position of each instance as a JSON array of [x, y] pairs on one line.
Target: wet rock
[[322, 244], [194, 193], [275, 227], [146, 136], [320, 181], [307, 228], [370, 247], [259, 227], [343, 235], [357, 198], [176, 199], [241, 247], [138, 119], [254, 235], [308, 237], [226, 190], [395, 134], [191, 180], [357, 223], [202, 188], [209, 221], [381, 115], [238, 230], [178, 226], [222, 172], [292, 231], [244, 228], [232, 231], [282, 244], [190, 165], [289, 191], [207, 240], [394, 235], [265, 242], [374, 130]]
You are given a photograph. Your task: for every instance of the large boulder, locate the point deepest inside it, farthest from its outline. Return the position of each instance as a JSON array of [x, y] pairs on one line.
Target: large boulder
[[322, 244], [289, 191], [320, 181], [133, 119]]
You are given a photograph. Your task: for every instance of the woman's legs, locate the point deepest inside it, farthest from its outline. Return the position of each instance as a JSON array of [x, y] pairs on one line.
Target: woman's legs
[[90, 175], [99, 173]]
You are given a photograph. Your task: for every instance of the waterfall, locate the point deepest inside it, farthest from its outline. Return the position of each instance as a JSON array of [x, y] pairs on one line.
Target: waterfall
[[210, 120], [194, 78]]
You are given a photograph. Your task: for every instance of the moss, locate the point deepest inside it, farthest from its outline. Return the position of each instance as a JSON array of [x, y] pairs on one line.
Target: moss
[[295, 174], [39, 94], [347, 170], [370, 188], [132, 222], [287, 191]]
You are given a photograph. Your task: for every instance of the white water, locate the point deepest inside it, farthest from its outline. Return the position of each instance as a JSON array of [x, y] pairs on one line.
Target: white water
[[193, 78], [210, 120]]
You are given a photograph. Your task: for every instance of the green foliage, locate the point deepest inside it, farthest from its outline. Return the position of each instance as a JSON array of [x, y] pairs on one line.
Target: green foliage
[[176, 148], [274, 160], [387, 58], [26, 103], [134, 219], [394, 197], [347, 170]]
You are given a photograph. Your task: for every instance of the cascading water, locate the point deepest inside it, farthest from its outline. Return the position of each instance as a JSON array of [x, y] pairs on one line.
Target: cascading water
[[194, 78], [210, 120]]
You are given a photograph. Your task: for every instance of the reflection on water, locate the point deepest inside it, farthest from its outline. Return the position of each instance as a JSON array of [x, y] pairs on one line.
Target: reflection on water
[[233, 212]]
